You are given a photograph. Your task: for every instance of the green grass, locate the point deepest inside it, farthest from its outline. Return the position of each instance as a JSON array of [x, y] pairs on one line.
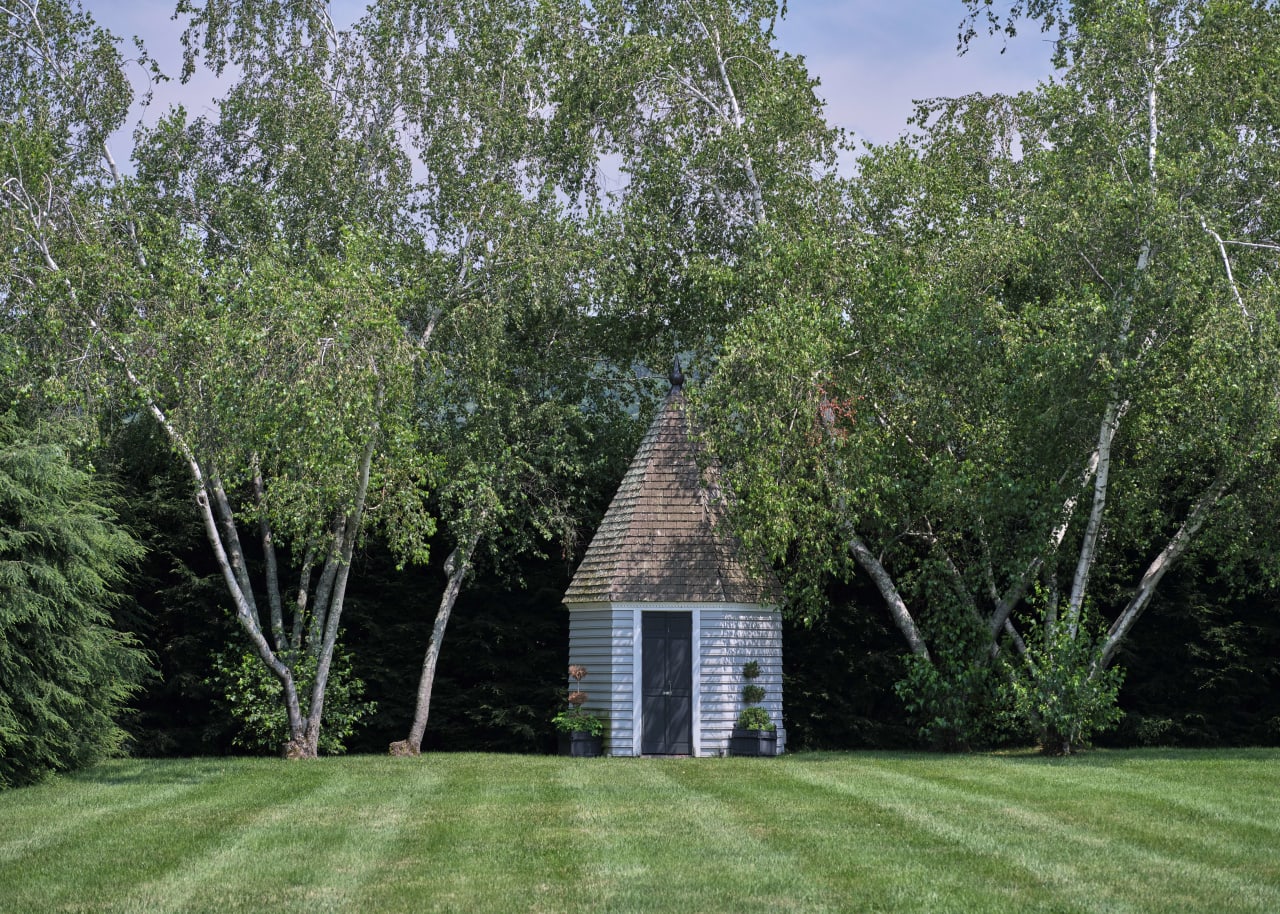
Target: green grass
[[1110, 831]]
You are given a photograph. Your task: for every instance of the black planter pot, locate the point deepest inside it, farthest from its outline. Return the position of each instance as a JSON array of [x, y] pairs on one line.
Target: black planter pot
[[580, 744], [753, 742]]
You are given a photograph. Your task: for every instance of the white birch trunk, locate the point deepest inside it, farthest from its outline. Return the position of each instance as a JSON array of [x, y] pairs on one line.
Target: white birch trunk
[[456, 567], [1155, 571], [739, 124], [351, 532], [1093, 529], [892, 598]]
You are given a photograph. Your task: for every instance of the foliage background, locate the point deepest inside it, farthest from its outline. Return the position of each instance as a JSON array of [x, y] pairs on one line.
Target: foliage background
[[1187, 683]]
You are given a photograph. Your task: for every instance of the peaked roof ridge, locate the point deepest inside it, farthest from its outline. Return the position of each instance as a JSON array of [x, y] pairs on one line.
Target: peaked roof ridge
[[660, 539]]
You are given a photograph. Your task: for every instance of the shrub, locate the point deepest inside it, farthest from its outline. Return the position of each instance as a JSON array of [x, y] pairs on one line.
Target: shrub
[[255, 699], [1058, 692], [575, 719], [755, 718], [953, 699]]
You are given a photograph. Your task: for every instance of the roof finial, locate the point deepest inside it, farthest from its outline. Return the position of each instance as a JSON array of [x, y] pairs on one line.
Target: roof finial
[[677, 376]]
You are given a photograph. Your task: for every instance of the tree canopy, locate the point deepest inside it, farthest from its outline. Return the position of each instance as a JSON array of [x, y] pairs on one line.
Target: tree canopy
[[414, 278], [1052, 372]]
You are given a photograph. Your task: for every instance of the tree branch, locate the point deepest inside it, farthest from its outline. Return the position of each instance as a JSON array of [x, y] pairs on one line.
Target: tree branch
[[757, 193], [1226, 263], [1159, 566], [269, 556], [884, 583], [232, 538], [1101, 477], [320, 608], [304, 591]]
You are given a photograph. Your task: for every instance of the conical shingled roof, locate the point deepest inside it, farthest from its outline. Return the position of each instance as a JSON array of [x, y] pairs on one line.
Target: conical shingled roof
[[659, 540]]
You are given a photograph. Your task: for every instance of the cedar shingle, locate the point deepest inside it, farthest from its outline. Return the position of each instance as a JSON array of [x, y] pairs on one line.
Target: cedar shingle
[[661, 539]]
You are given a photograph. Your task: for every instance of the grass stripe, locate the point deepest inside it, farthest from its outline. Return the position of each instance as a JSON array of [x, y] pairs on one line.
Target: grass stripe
[[736, 867], [1123, 832], [1098, 851]]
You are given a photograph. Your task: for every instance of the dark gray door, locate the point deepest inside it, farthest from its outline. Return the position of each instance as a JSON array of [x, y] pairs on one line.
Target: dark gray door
[[666, 704]]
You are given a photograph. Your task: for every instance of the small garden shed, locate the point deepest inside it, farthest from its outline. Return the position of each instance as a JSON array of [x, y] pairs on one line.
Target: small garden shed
[[664, 611]]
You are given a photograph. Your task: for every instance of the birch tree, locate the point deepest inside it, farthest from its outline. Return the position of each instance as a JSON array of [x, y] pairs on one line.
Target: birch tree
[[502, 322], [708, 141], [1055, 367], [716, 135], [265, 346]]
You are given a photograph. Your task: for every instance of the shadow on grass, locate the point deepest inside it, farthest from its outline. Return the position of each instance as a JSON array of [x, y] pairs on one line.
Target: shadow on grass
[[154, 772], [886, 755], [1115, 758]]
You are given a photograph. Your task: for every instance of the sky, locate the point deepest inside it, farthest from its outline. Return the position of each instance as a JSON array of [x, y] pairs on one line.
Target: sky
[[873, 57], [876, 57]]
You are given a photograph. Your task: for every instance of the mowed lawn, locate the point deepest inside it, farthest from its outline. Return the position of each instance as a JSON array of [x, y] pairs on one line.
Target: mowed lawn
[[1109, 831]]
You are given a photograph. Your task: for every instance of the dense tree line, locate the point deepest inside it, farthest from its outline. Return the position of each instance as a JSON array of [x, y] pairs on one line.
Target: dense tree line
[[369, 348], [1204, 673], [1035, 372]]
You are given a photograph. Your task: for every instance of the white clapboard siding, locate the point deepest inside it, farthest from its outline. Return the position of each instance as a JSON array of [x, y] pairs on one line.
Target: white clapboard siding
[[601, 639], [730, 636]]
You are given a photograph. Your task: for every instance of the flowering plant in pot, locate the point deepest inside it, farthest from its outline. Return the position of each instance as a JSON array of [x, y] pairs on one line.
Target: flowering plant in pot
[[581, 731], [754, 732]]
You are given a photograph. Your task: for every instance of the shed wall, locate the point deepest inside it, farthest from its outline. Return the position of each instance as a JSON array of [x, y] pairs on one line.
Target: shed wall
[[605, 639], [731, 636], [602, 639]]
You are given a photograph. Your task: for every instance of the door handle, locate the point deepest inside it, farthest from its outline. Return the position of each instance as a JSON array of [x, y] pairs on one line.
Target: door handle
[[667, 692]]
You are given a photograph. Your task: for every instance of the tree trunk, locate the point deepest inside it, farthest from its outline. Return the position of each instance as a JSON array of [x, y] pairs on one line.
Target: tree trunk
[[893, 599], [1101, 478], [456, 567], [333, 612], [1155, 571], [303, 745]]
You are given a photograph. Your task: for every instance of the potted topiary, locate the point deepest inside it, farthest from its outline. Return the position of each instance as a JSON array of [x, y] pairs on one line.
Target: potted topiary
[[754, 734], [581, 732]]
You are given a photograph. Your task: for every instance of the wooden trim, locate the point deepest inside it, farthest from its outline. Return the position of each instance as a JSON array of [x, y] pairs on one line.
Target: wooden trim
[[637, 696], [695, 644]]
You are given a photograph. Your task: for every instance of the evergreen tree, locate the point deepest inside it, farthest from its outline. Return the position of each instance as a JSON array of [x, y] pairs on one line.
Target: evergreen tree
[[65, 673]]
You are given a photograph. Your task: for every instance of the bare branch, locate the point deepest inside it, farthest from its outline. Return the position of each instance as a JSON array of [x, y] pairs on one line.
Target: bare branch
[[1019, 645], [1251, 244], [1226, 263], [1096, 272]]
